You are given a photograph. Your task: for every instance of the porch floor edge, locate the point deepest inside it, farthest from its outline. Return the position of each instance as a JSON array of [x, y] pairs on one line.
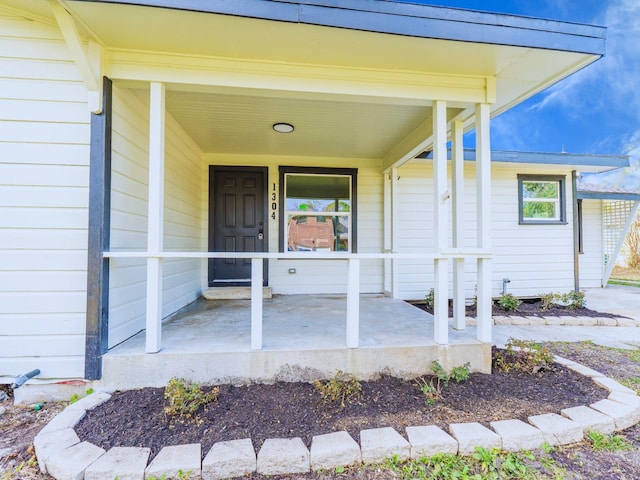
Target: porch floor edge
[[131, 371]]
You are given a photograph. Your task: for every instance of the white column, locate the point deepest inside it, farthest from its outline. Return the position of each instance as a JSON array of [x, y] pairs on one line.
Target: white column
[[353, 303], [386, 200], [483, 187], [457, 162], [395, 206], [155, 218], [440, 197], [256, 303]]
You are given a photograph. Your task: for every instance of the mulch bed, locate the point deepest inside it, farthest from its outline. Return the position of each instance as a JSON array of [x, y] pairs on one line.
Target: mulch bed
[[528, 308], [137, 418]]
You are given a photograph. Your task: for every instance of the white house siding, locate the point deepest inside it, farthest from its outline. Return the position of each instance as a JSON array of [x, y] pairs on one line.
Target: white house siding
[[130, 173], [44, 178], [536, 258], [591, 260], [319, 276]]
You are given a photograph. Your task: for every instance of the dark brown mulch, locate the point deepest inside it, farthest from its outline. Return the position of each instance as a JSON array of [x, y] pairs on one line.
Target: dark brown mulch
[[529, 308], [136, 418]]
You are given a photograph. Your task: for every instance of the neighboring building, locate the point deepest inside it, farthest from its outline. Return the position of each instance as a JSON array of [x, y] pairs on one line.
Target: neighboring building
[[138, 137]]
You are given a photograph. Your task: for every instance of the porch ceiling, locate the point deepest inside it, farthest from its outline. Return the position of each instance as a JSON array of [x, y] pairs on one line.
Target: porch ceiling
[[241, 124]]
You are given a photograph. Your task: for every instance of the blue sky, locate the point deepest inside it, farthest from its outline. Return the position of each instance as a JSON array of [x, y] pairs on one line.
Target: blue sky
[[597, 110]]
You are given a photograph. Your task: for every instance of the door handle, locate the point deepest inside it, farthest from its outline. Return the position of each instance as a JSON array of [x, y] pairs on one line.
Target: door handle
[[260, 235]]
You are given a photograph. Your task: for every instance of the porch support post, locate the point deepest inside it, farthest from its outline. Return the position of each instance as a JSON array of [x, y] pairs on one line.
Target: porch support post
[[256, 304], [386, 204], [395, 286], [440, 197], [483, 189], [457, 162], [353, 303], [155, 217]]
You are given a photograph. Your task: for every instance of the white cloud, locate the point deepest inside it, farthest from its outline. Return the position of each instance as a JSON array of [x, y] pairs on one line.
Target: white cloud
[[609, 89], [614, 76]]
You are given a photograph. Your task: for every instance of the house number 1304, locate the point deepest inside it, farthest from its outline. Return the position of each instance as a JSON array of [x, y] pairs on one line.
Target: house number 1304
[[274, 205]]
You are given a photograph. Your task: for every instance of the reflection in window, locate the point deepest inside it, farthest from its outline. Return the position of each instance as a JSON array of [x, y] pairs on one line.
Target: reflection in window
[[318, 212], [541, 199]]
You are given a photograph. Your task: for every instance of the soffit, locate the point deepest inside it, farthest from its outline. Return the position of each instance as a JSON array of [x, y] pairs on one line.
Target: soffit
[[175, 31]]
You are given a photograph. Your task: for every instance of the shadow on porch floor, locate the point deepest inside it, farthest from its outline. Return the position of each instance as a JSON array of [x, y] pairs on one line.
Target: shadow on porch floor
[[293, 322]]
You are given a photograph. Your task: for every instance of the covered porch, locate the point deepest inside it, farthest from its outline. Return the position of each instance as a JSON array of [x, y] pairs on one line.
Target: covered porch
[[361, 91], [304, 338]]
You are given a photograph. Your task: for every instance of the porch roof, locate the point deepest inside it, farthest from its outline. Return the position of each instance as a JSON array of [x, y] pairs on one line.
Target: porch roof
[[356, 77], [415, 20], [586, 161]]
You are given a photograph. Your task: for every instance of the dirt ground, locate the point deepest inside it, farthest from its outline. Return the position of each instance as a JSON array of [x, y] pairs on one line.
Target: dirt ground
[[399, 403], [137, 418], [528, 308]]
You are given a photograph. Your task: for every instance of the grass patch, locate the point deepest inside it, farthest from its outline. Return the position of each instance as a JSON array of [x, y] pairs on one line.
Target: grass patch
[[624, 283], [482, 465], [633, 383], [608, 443]]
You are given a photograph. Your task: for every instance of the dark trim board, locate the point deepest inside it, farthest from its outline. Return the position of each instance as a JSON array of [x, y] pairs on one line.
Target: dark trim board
[[97, 320], [211, 226], [542, 158], [634, 197]]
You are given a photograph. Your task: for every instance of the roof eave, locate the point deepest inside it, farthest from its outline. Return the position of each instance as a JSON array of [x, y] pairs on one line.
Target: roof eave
[[413, 20], [583, 160], [608, 196]]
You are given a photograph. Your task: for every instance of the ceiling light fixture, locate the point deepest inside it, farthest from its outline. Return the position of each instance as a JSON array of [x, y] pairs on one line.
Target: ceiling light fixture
[[283, 127]]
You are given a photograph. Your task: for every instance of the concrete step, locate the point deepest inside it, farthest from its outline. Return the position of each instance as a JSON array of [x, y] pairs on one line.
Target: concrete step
[[233, 293]]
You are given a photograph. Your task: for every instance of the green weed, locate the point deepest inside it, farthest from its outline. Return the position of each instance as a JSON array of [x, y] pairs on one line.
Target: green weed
[[432, 387], [609, 443]]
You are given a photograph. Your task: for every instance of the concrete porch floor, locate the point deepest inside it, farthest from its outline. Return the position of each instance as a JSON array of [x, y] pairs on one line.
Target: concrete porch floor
[[304, 338]]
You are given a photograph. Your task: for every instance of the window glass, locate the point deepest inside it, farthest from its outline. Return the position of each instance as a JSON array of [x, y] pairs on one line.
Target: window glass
[[318, 212], [541, 200]]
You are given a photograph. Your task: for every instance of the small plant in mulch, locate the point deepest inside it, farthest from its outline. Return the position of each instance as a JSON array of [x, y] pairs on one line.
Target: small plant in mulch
[[509, 302], [523, 356], [430, 300], [432, 387], [339, 389], [570, 300], [184, 399]]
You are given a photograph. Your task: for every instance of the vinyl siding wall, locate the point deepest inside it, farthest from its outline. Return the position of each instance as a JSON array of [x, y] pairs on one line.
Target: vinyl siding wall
[[536, 258], [318, 276], [44, 178], [182, 215]]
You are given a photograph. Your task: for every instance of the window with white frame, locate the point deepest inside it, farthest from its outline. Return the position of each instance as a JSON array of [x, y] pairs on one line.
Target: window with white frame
[[319, 209], [541, 199]]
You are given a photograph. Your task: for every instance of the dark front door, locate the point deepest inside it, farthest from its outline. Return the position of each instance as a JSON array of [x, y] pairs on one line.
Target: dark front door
[[237, 203]]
